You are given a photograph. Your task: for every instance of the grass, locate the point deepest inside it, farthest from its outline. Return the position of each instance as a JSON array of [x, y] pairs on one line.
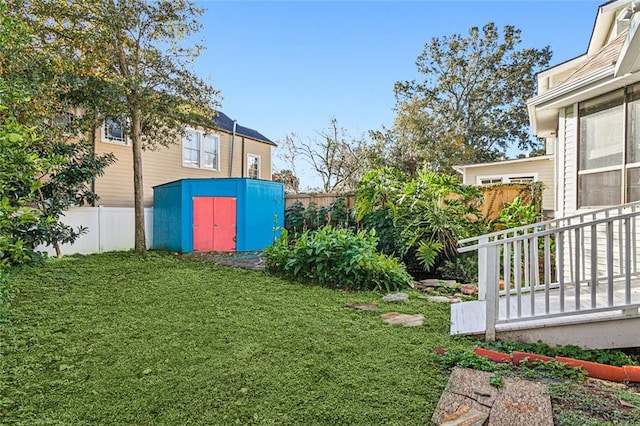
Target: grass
[[590, 405], [110, 339]]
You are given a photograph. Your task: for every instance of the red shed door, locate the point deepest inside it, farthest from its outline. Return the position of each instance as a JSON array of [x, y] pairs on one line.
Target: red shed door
[[214, 224]]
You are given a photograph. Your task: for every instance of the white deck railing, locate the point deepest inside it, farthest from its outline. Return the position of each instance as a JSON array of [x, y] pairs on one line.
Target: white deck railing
[[568, 266]]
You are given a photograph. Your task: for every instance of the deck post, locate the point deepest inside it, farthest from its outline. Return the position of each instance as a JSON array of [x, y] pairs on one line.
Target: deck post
[[490, 279], [482, 268]]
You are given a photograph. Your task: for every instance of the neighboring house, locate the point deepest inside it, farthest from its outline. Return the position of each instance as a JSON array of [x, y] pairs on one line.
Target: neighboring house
[[576, 279], [229, 150], [530, 169], [588, 109]]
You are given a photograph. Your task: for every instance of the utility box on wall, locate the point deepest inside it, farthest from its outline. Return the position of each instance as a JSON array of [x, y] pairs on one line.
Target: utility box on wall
[[217, 214]]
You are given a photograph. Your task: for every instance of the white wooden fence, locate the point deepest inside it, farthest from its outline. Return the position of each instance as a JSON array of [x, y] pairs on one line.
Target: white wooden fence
[[110, 229]]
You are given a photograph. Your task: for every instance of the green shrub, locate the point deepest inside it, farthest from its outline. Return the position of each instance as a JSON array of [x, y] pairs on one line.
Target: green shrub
[[338, 258], [516, 214]]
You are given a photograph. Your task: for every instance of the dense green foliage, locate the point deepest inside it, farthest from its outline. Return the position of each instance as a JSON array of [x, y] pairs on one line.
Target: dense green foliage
[[298, 219], [517, 214], [419, 219], [337, 258], [41, 172], [20, 171], [113, 339], [462, 268]]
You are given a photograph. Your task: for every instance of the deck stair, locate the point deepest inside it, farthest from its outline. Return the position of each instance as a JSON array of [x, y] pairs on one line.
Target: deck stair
[[572, 280]]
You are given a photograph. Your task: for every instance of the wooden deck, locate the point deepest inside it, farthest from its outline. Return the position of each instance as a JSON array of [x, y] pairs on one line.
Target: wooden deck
[[560, 324]]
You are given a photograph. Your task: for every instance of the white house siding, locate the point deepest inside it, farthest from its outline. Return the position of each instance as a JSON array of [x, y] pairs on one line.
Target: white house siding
[[569, 162]]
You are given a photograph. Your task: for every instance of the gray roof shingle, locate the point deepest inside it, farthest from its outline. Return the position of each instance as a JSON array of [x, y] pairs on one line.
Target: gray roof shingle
[[223, 122], [606, 57]]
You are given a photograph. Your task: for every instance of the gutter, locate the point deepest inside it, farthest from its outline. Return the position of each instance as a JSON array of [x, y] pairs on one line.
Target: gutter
[[556, 95], [565, 89]]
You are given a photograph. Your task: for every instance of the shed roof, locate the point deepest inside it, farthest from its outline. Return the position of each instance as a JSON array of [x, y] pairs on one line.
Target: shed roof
[[223, 122]]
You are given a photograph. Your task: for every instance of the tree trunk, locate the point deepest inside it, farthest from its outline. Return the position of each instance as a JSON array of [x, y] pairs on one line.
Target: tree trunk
[[140, 247], [56, 245]]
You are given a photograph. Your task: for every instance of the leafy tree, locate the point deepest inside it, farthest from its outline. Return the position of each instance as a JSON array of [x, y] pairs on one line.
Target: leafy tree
[[132, 67], [44, 172], [337, 159], [289, 179], [67, 186], [20, 173], [470, 103]]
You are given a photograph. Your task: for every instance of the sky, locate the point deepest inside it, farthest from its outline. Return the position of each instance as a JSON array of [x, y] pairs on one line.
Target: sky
[[289, 66]]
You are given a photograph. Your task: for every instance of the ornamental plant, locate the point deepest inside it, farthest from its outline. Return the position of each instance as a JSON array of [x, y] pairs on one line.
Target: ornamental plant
[[337, 258], [419, 219]]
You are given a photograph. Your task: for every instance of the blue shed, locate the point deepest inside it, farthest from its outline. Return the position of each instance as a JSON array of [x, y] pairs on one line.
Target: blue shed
[[221, 214]]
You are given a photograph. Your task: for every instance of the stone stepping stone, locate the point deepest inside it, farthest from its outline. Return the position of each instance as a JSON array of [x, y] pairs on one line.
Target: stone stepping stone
[[469, 289], [444, 299], [425, 285], [362, 306], [396, 297], [469, 399], [395, 318]]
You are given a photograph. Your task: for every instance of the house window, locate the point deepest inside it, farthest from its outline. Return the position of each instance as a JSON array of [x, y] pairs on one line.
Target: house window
[[633, 144], [601, 146], [191, 149], [200, 150], [253, 166], [490, 180], [113, 132], [66, 122], [521, 179], [210, 149]]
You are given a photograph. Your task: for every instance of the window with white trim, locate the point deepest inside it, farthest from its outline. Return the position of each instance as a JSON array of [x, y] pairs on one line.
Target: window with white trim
[[210, 149], [200, 150], [113, 132], [253, 166], [521, 178], [489, 180]]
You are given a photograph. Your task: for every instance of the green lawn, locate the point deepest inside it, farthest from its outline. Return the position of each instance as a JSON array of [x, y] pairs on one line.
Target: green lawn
[[110, 339]]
